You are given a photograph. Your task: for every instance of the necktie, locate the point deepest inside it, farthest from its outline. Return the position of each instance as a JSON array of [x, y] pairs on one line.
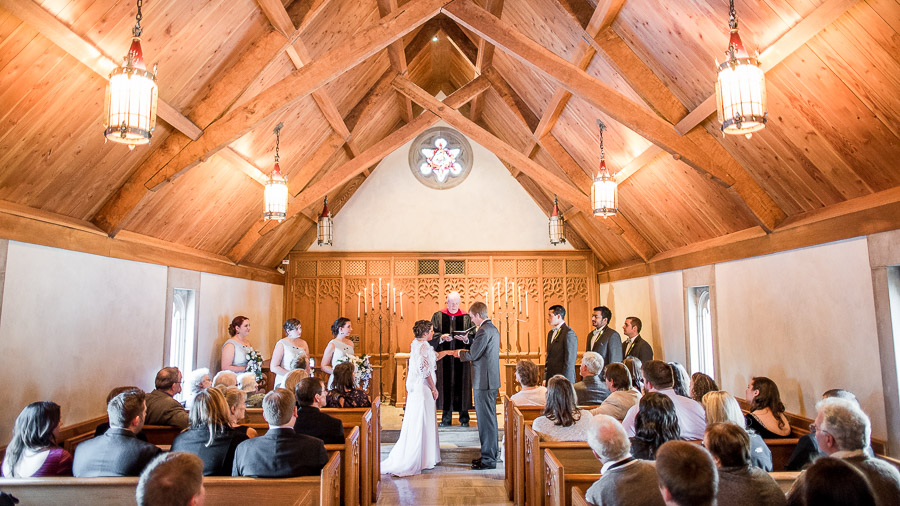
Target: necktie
[[555, 334]]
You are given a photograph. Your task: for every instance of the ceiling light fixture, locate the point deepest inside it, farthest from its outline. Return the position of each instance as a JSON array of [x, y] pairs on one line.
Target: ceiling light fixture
[[324, 228], [604, 190], [740, 87], [557, 225], [276, 192], [131, 96]]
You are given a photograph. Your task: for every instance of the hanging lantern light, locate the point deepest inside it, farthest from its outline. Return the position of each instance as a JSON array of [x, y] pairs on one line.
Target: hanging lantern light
[[557, 225], [131, 96], [740, 88], [324, 229], [276, 193], [604, 191]]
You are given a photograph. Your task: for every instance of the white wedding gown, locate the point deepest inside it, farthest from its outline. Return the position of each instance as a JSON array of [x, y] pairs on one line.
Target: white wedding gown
[[418, 447]]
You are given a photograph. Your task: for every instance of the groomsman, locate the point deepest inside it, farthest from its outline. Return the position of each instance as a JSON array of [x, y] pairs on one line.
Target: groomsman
[[562, 346], [635, 345], [604, 340]]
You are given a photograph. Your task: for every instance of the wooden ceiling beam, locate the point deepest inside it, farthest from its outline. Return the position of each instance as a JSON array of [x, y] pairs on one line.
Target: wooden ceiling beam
[[316, 162], [459, 40], [484, 58], [580, 10], [337, 177], [422, 39], [397, 56], [511, 99], [302, 82], [793, 39], [225, 91], [705, 157], [358, 165], [643, 159], [652, 90], [604, 14], [370, 100]]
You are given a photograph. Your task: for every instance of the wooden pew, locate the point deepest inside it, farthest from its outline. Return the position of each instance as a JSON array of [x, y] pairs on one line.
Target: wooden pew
[[369, 422], [561, 475], [577, 454], [578, 496], [322, 490], [349, 452], [161, 435]]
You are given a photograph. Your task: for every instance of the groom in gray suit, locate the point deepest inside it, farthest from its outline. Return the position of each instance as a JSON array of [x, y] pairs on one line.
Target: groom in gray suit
[[485, 358]]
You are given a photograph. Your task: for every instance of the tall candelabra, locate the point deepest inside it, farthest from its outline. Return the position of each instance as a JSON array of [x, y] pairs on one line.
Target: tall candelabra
[[385, 313], [501, 306]]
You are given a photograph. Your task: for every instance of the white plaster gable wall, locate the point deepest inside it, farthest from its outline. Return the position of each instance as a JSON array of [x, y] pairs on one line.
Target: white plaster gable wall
[[392, 211]]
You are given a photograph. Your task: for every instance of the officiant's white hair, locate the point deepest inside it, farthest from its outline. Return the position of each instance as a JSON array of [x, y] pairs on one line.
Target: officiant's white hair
[[453, 295]]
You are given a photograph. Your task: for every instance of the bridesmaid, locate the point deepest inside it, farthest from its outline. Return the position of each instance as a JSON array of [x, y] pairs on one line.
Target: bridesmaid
[[338, 348], [235, 350], [288, 349]]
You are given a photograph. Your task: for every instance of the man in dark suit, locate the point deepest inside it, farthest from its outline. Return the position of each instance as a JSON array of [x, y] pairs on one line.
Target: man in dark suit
[[604, 339], [485, 358], [562, 346], [117, 452], [280, 452], [162, 408], [634, 345], [311, 421], [591, 390]]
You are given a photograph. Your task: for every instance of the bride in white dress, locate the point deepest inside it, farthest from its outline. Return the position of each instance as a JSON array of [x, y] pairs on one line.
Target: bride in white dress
[[418, 446], [339, 348]]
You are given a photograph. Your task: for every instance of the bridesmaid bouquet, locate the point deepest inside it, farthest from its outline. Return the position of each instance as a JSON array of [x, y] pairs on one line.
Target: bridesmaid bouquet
[[254, 364], [362, 371]]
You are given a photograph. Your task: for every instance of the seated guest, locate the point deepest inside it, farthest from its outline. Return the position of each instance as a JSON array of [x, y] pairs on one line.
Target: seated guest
[[532, 393], [162, 408], [687, 474], [199, 381], [659, 377], [293, 379], [834, 482], [740, 483], [766, 415], [562, 420], [807, 449], [117, 452], [237, 410], [634, 366], [721, 407], [225, 379], [103, 427], [311, 421], [591, 390], [247, 383], [211, 436], [700, 385], [843, 431], [301, 363], [656, 423], [343, 393], [172, 479], [623, 478], [280, 452], [33, 450], [622, 394], [680, 380]]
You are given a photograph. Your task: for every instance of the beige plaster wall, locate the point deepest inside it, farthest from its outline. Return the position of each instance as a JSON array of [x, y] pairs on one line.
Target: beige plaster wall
[[631, 297], [392, 211], [75, 325], [221, 299], [668, 316]]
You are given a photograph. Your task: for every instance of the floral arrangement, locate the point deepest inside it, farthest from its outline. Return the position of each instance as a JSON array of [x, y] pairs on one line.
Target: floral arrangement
[[362, 371], [254, 364]]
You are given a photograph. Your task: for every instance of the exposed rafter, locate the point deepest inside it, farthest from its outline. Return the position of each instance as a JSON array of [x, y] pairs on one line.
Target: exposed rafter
[[484, 58], [397, 55], [701, 152]]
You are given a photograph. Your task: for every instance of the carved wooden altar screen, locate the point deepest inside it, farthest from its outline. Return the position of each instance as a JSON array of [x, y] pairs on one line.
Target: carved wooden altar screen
[[323, 286]]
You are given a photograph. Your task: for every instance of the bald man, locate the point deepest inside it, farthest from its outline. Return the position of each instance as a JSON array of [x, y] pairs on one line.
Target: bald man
[[455, 330]]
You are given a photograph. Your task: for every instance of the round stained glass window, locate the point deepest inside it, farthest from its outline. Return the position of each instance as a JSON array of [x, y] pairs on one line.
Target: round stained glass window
[[440, 158]]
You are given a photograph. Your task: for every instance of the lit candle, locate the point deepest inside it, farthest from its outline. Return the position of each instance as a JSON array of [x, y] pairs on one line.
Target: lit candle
[[358, 298]]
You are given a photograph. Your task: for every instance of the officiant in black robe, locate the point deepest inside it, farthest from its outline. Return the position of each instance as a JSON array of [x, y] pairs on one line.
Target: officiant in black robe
[[454, 377]]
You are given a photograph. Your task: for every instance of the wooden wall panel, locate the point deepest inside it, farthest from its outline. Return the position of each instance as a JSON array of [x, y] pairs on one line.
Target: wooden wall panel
[[323, 287]]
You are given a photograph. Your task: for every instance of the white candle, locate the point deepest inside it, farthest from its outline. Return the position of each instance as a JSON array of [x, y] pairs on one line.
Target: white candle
[[389, 296], [519, 297], [366, 300], [395, 299], [401, 305], [379, 290], [506, 290], [358, 298]]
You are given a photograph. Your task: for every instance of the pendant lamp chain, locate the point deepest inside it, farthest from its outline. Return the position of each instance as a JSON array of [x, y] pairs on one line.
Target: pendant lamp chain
[[136, 31]]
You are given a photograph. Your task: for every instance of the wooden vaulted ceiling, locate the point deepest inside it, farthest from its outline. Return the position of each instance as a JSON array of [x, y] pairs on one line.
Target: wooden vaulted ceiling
[[354, 80]]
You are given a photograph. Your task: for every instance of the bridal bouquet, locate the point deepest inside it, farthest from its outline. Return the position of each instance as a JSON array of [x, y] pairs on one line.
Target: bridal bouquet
[[254, 364], [362, 371]]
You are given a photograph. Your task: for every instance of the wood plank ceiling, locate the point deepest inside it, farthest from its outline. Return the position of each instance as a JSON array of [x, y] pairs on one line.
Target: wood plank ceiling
[[354, 80]]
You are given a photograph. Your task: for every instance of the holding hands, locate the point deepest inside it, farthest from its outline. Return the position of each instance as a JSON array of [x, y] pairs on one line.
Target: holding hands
[[452, 353]]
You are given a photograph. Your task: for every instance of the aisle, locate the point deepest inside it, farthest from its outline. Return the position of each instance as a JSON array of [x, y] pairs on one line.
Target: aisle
[[452, 482]]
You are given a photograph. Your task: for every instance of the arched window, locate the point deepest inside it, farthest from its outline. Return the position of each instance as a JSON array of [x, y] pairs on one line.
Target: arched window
[[181, 344], [701, 336]]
